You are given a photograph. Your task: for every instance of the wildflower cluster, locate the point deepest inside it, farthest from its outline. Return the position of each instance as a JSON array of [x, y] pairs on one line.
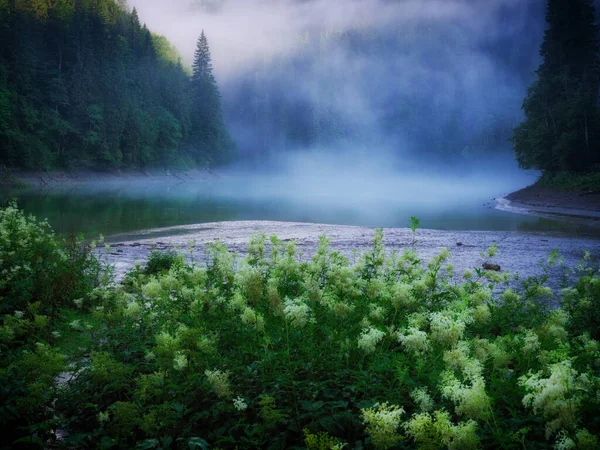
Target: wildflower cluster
[[280, 350], [369, 338], [382, 422]]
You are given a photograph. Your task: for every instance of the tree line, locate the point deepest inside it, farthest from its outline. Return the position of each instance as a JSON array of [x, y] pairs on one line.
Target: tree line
[[561, 132], [83, 84]]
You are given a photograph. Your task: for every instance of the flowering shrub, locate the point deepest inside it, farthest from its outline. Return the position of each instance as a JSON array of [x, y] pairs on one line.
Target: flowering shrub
[[269, 351], [41, 276]]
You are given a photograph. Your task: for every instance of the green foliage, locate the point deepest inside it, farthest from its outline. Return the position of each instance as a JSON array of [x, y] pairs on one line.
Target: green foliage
[[414, 224], [38, 267], [42, 277], [582, 303], [159, 262], [562, 127], [567, 181], [274, 351], [84, 84]]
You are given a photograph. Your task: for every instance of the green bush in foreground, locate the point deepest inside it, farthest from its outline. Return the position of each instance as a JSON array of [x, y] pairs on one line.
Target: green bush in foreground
[[267, 351]]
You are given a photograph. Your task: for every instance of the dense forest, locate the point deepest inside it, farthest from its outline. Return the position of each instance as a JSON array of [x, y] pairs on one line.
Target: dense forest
[[84, 84], [562, 127]]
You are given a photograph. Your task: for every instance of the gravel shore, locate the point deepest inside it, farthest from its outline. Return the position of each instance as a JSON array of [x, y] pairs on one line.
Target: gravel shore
[[517, 252]]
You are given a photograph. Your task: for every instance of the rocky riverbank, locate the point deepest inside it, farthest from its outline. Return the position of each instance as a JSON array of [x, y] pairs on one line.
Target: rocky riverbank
[[521, 253]]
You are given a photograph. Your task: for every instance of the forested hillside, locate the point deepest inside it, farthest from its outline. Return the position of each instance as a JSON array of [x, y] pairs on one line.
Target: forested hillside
[[84, 84]]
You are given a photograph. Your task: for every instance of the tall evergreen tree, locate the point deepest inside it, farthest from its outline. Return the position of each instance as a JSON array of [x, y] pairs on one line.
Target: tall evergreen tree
[[210, 136], [561, 131]]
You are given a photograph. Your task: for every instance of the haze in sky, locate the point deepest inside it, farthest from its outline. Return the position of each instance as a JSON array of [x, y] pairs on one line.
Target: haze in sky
[[443, 77]]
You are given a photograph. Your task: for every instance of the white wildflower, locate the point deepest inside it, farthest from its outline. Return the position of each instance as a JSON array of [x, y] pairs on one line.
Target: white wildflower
[[377, 312], [402, 296], [470, 399], [458, 356], [133, 310], [564, 442], [445, 329], [382, 423], [422, 398], [180, 361], [415, 340], [296, 312], [240, 404], [557, 397], [481, 297], [530, 343], [482, 314], [103, 417], [219, 381], [369, 338]]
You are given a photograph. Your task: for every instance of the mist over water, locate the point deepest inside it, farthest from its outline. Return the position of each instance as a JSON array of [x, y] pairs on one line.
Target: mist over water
[[314, 188]]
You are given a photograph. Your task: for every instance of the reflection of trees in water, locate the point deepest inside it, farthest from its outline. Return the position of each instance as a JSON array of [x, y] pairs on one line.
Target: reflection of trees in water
[[134, 208], [568, 226], [110, 214]]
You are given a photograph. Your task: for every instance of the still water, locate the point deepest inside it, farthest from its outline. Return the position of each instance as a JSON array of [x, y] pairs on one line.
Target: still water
[[129, 207]]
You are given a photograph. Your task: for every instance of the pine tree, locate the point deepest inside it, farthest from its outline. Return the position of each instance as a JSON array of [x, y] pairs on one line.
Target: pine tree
[[202, 62], [210, 137], [562, 126]]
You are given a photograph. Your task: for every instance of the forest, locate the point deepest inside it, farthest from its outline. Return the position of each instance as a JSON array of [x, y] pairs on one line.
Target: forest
[[84, 85]]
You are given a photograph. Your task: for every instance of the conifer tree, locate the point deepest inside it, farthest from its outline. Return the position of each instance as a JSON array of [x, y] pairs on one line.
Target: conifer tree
[[561, 131], [210, 137]]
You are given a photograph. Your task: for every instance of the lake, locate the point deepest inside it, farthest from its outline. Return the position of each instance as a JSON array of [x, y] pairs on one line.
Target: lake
[[114, 209]]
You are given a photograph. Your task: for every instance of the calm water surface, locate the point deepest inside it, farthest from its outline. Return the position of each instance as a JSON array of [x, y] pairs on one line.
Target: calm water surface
[[127, 208]]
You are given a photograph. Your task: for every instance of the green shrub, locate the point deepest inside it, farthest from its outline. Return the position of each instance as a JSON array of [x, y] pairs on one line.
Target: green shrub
[[159, 262], [38, 266], [43, 276]]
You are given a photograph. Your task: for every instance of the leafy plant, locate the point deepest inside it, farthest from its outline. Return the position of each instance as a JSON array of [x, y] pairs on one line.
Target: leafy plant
[[414, 224], [160, 262]]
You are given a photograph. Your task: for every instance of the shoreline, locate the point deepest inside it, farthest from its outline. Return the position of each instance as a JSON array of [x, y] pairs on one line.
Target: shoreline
[[35, 178], [580, 207]]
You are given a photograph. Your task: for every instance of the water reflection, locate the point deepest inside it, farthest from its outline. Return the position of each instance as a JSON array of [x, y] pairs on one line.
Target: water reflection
[[128, 208]]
